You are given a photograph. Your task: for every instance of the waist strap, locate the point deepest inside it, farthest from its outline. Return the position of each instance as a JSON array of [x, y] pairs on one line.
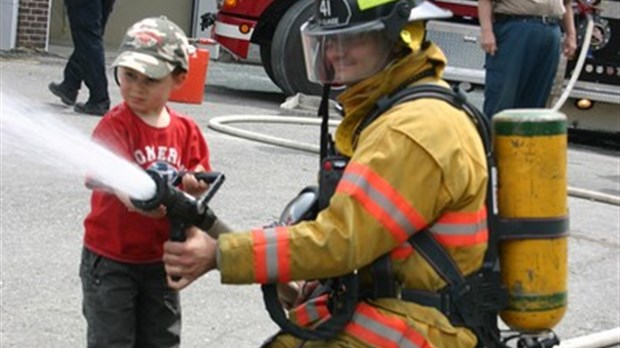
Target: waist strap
[[501, 17]]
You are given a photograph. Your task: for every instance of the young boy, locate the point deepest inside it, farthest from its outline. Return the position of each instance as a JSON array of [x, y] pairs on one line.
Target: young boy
[[126, 301]]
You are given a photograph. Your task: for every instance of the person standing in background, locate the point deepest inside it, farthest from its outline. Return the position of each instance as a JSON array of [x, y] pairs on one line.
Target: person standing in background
[[522, 41], [87, 20]]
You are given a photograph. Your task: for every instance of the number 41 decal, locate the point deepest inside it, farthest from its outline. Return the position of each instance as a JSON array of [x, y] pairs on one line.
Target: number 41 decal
[[325, 8]]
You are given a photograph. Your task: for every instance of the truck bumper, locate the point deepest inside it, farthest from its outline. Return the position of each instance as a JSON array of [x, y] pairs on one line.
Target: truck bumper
[[233, 34]]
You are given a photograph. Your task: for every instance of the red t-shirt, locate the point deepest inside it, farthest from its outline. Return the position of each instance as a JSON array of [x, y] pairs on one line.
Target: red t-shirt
[[110, 229]]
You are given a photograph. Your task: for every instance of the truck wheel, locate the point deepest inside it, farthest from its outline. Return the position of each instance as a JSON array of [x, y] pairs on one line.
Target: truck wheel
[[265, 57], [287, 59]]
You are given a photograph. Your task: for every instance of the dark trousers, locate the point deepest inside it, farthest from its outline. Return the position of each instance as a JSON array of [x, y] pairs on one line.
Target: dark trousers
[[521, 73], [87, 20], [128, 305]]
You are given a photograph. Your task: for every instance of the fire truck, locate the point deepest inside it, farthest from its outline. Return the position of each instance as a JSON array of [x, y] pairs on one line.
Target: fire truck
[[272, 28]]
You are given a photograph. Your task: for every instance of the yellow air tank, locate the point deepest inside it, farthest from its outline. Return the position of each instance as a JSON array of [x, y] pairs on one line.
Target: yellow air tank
[[530, 153]]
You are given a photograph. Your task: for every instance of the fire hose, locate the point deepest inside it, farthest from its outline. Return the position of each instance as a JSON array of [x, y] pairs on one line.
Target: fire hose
[[220, 124], [603, 339], [579, 65]]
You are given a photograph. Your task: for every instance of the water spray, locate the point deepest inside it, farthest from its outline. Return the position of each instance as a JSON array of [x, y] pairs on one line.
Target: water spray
[[34, 133]]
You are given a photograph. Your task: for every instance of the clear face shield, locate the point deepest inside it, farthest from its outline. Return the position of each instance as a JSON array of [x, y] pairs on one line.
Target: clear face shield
[[346, 56]]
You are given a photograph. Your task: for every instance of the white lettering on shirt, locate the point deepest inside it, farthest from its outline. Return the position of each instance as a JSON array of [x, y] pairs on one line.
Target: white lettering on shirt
[[151, 154]]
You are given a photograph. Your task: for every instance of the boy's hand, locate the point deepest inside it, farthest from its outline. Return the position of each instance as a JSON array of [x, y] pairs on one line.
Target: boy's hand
[[192, 185]]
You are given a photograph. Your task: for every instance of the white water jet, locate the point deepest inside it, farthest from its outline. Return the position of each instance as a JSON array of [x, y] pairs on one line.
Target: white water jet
[[28, 129]]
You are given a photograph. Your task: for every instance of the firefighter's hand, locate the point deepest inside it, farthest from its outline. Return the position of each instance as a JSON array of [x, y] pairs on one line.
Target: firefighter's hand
[[487, 41], [570, 46], [292, 294], [288, 293], [192, 185], [190, 259]]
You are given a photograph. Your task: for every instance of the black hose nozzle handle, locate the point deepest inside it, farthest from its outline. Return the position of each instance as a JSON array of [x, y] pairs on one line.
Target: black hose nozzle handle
[[215, 180]]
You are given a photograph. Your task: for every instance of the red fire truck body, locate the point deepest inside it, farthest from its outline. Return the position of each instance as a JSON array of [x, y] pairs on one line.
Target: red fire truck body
[[236, 20]]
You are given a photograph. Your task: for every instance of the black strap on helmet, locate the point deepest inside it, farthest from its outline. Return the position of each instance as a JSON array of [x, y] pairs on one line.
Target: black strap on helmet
[[399, 17], [324, 115]]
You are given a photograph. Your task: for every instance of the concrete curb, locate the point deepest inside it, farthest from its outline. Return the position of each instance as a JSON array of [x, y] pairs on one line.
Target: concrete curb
[[308, 105]]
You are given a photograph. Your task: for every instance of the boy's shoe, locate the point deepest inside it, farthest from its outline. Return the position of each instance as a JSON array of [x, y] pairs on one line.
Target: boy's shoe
[[66, 97], [90, 108]]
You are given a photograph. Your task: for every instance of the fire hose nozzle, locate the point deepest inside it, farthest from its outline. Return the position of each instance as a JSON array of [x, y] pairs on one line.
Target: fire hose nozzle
[[183, 210], [157, 199]]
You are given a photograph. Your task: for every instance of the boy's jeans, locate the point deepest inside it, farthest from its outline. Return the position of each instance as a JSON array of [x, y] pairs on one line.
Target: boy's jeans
[[128, 305]]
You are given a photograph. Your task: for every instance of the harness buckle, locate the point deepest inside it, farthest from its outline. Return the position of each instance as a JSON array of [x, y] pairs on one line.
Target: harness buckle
[[446, 304]]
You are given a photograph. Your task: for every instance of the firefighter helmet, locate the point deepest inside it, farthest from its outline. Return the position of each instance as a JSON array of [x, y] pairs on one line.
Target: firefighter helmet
[[341, 28]]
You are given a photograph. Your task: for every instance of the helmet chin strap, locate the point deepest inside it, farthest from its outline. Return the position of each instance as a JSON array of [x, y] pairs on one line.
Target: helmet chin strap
[[324, 115]]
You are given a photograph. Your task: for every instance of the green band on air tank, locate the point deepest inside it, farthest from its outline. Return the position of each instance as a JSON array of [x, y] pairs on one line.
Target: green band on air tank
[[537, 303], [529, 122]]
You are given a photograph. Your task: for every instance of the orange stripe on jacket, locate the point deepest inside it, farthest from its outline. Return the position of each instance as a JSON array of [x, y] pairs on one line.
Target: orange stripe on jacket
[[314, 310], [376, 210], [466, 240], [265, 242], [260, 255], [464, 217], [473, 226], [380, 330], [402, 251]]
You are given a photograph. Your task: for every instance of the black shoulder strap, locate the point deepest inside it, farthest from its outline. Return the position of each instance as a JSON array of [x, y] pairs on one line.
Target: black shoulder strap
[[424, 244]]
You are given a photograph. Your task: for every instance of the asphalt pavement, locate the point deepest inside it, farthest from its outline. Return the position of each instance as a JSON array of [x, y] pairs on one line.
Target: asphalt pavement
[[42, 210]]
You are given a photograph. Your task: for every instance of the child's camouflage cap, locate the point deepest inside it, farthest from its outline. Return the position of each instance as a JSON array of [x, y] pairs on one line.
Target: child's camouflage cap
[[154, 47]]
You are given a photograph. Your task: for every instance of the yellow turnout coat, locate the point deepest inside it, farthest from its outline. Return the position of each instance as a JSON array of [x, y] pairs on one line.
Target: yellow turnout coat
[[419, 165]]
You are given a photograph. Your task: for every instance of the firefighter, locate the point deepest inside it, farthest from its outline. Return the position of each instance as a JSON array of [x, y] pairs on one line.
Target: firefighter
[[419, 166]]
